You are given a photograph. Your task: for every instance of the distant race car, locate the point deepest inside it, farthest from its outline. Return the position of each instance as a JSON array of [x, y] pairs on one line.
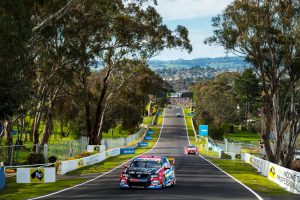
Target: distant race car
[[149, 172], [191, 149], [179, 115]]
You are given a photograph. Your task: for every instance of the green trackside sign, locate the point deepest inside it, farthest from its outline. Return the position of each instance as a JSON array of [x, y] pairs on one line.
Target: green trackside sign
[[203, 130]]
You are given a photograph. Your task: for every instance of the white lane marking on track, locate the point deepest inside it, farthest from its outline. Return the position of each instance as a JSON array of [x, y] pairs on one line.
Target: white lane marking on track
[[253, 192], [75, 186]]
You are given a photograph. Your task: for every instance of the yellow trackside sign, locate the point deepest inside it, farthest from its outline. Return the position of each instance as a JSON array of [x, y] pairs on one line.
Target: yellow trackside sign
[[80, 163], [272, 171], [37, 175]]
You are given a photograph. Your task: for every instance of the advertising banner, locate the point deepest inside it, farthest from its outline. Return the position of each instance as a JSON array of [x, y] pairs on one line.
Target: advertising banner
[[286, 178], [143, 144], [2, 178], [127, 151], [150, 132], [113, 152], [203, 130], [36, 175], [148, 137]]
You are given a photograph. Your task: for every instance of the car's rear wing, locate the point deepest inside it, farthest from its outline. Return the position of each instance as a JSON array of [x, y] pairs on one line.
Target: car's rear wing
[[171, 160]]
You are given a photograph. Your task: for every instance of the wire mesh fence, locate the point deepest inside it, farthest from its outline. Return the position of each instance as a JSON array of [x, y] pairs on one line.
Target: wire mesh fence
[[123, 142], [18, 154]]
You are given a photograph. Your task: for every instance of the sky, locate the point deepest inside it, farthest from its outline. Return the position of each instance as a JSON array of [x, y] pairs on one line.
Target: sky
[[196, 16]]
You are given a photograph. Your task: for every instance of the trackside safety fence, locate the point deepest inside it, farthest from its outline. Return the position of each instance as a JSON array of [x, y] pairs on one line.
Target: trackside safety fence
[[111, 143], [17, 154], [285, 178]]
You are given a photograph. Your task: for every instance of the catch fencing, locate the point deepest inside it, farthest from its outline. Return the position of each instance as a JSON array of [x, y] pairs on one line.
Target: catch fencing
[[18, 154], [237, 147], [111, 143]]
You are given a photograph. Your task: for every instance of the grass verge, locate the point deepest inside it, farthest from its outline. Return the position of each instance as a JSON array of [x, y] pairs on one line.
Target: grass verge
[[237, 168], [14, 191], [249, 176], [18, 191], [112, 162], [244, 136], [160, 118]]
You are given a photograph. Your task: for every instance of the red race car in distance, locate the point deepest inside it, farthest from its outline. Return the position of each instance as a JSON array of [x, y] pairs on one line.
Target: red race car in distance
[[191, 149]]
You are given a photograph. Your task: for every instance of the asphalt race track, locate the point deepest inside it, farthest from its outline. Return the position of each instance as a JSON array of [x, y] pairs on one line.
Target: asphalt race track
[[196, 178]]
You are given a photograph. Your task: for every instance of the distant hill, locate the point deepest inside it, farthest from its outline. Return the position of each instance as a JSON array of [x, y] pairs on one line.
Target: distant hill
[[236, 63]]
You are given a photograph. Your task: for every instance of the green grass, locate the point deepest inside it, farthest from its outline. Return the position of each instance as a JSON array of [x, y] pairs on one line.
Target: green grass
[[238, 169], [249, 176], [244, 136], [116, 132], [112, 162], [148, 120], [14, 191], [189, 126], [25, 191], [160, 118]]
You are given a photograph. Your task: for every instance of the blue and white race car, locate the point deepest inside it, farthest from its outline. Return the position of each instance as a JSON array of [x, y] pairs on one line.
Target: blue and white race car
[[149, 172]]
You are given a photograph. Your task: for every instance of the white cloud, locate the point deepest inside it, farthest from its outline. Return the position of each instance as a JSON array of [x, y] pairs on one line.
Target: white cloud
[[199, 49], [188, 9]]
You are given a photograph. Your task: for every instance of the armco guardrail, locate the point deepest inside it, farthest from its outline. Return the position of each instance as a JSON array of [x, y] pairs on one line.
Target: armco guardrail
[[286, 178], [2, 178]]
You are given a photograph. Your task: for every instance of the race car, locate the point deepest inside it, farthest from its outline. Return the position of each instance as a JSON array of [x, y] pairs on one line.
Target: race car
[[179, 114], [148, 172], [190, 149]]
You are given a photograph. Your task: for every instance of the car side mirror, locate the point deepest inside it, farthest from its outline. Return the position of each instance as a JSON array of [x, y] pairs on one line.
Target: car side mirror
[[125, 166]]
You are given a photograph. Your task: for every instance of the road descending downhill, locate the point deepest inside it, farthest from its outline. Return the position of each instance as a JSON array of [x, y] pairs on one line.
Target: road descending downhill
[[196, 177]]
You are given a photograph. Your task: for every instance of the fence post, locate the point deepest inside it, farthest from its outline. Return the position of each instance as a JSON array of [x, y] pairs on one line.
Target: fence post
[[36, 148], [12, 155], [46, 152]]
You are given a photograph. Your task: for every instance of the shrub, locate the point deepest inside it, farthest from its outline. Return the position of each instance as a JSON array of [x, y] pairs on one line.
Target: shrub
[[52, 159], [35, 158]]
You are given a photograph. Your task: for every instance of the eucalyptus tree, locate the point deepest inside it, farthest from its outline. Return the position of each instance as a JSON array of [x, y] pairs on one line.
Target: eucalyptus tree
[[111, 32], [53, 68], [266, 32], [15, 70], [247, 88]]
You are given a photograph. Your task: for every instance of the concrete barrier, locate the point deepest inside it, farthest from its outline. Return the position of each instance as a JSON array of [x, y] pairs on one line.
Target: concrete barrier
[[70, 165], [92, 148], [36, 175], [285, 178], [2, 178]]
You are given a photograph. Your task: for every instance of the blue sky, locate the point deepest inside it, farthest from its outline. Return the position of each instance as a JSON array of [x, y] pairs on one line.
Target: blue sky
[[196, 15]]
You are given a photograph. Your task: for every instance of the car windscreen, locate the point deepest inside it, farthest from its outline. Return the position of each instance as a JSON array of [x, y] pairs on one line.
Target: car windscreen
[[146, 164], [191, 146]]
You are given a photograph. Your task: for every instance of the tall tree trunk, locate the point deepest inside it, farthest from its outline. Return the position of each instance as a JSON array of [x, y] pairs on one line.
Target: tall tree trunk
[[99, 108], [49, 118], [267, 128], [34, 135], [8, 131], [48, 126], [88, 121]]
